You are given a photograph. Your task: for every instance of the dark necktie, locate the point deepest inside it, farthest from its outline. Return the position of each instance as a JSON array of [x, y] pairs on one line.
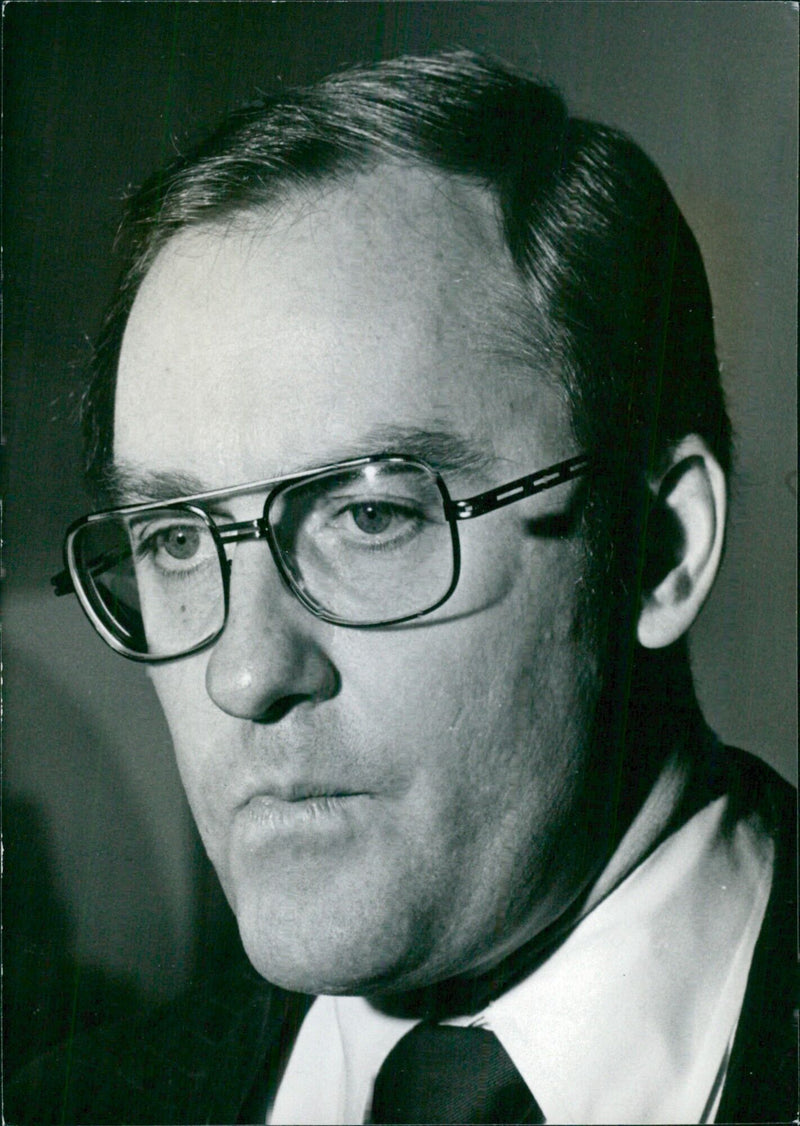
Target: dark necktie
[[440, 1073]]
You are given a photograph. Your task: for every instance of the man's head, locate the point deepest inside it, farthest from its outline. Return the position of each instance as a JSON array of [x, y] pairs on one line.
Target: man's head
[[428, 257]]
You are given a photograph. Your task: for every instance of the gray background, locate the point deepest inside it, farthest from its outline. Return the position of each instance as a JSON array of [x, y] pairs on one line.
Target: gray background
[[108, 899]]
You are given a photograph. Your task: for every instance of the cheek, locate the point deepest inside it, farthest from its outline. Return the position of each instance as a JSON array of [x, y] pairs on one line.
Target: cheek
[[487, 700], [513, 621], [195, 726], [180, 688]]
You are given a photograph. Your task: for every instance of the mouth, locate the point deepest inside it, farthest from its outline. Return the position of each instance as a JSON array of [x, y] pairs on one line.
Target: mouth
[[302, 810]]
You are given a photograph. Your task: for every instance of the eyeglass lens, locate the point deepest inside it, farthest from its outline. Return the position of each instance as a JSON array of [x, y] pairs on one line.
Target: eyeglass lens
[[361, 546]]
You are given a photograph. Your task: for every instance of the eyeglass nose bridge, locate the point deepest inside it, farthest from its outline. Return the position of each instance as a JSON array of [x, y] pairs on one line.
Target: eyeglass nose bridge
[[249, 531], [244, 531]]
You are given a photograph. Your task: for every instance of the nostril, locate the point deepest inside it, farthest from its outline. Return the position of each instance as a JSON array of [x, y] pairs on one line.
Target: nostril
[[281, 707], [328, 686]]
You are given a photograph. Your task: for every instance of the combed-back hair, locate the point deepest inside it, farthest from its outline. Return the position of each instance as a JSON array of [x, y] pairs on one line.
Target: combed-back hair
[[602, 252]]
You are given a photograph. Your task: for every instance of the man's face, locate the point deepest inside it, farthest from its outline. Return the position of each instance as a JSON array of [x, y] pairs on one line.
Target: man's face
[[384, 807]]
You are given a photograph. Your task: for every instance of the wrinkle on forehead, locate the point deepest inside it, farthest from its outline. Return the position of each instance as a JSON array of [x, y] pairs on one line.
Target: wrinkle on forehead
[[454, 455]]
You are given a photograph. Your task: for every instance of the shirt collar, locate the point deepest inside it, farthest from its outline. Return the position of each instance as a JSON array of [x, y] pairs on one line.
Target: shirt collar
[[631, 1018]]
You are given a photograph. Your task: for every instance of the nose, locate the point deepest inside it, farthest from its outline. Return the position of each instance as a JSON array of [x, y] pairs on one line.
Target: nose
[[271, 657]]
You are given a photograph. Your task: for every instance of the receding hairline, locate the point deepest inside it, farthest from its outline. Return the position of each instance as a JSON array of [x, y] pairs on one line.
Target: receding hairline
[[399, 190]]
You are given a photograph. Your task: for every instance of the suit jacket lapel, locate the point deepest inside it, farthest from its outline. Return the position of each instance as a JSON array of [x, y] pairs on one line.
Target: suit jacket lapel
[[761, 1085]]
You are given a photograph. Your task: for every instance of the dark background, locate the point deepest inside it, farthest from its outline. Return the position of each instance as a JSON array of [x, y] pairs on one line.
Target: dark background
[[108, 901]]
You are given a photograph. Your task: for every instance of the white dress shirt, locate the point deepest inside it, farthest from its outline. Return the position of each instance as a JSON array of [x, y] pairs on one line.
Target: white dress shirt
[[630, 1020]]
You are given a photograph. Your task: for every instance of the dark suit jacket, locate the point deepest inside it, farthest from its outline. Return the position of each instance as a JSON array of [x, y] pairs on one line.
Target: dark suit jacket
[[216, 1056]]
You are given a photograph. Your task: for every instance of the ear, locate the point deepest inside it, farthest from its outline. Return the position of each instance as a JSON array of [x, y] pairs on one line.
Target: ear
[[690, 495]]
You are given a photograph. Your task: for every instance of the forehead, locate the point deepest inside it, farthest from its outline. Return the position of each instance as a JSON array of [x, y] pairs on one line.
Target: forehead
[[260, 345]]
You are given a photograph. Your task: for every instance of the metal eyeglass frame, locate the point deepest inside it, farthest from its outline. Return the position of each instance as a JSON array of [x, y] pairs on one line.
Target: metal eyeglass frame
[[68, 581]]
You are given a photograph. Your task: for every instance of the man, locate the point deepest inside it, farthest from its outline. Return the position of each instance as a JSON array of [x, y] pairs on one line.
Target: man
[[412, 453]]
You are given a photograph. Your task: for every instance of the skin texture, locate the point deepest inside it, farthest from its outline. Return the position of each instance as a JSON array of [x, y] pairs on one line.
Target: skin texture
[[281, 341]]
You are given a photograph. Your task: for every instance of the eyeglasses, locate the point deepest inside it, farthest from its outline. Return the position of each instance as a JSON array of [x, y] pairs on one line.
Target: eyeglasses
[[368, 542]]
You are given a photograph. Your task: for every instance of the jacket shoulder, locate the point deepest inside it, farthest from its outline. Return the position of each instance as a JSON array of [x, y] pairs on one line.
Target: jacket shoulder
[[193, 1060]]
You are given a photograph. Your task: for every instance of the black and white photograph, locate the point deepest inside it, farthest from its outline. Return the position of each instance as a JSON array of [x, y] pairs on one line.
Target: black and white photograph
[[399, 562]]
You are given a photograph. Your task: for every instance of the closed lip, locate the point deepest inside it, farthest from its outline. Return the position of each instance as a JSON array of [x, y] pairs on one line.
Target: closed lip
[[306, 811], [297, 793]]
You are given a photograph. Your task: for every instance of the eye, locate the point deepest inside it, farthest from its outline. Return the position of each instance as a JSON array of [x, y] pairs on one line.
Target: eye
[[373, 521], [173, 545], [372, 517], [180, 541]]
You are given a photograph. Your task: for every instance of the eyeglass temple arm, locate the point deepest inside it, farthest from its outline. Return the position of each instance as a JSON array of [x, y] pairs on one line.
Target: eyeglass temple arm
[[482, 503], [62, 582]]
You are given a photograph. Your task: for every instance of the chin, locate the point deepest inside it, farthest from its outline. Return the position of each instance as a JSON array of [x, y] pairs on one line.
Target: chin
[[319, 971], [316, 955]]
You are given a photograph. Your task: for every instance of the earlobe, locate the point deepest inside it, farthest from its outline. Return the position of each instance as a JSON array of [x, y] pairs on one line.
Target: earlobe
[[692, 492]]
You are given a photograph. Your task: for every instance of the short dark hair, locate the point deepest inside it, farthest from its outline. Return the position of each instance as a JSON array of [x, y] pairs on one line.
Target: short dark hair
[[611, 274]]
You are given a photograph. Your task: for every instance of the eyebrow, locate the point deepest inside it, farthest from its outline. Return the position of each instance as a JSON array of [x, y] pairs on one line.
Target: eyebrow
[[443, 449]]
